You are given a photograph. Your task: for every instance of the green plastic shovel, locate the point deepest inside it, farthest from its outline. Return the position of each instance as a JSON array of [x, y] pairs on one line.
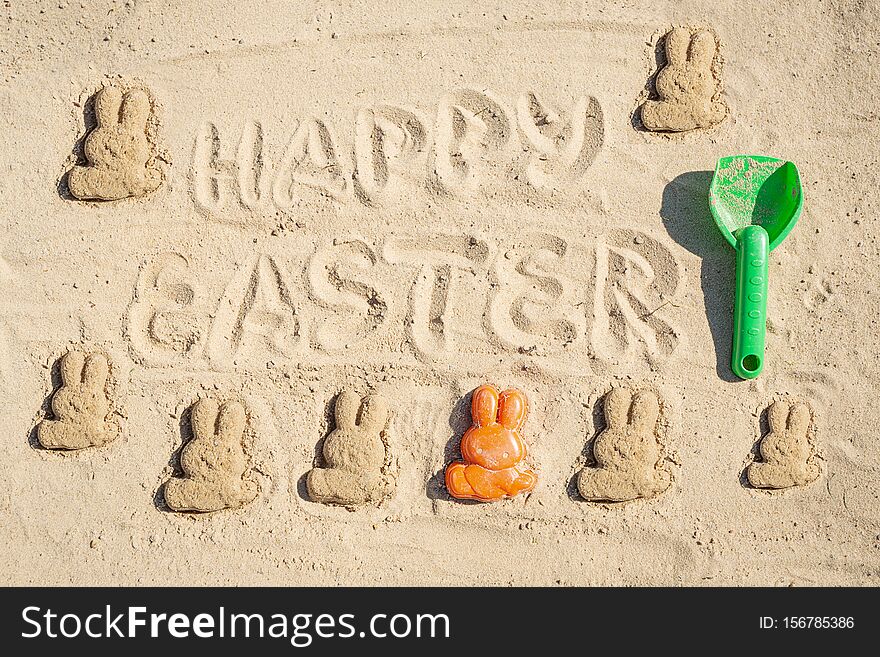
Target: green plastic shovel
[[755, 201]]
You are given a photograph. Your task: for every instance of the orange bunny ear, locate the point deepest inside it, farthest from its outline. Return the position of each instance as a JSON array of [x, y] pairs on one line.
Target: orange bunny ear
[[514, 407], [484, 406]]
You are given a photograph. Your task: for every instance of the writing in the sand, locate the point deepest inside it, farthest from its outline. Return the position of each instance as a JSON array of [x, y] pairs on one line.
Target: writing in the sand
[[435, 297], [474, 140]]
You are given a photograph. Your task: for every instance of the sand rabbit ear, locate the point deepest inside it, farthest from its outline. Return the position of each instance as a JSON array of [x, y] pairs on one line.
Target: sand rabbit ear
[[512, 408], [72, 368], [484, 406], [644, 411], [617, 405], [107, 104], [135, 110], [374, 414], [677, 42], [799, 419], [702, 49], [204, 418], [95, 371], [231, 420], [777, 416], [346, 410]]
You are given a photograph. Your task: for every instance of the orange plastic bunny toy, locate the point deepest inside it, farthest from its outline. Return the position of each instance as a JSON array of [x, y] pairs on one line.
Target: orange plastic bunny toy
[[493, 449]]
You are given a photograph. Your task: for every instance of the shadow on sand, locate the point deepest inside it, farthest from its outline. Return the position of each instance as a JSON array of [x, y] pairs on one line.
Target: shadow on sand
[[685, 214]]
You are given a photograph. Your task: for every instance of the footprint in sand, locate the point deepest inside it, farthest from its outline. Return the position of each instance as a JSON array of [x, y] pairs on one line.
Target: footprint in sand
[[822, 291]]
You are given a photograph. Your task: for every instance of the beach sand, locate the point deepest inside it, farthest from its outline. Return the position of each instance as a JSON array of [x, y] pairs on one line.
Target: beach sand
[[411, 199]]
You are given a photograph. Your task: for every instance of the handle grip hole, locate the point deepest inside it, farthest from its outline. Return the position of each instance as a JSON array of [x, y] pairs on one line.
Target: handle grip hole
[[751, 363]]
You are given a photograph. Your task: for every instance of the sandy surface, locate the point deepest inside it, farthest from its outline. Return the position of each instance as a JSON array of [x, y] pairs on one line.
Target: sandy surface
[[284, 259]]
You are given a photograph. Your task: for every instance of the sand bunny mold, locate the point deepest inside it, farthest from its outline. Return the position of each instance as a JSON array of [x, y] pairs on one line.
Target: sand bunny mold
[[121, 158], [688, 87], [627, 452], [787, 452], [81, 405], [355, 454], [213, 462], [493, 450]]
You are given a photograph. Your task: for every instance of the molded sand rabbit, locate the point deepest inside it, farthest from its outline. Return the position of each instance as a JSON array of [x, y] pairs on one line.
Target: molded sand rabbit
[[493, 449], [354, 453], [118, 150], [627, 452], [786, 451], [80, 405], [213, 462], [686, 85]]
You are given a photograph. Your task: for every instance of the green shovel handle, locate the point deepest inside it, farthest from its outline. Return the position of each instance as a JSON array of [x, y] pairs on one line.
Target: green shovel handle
[[750, 307]]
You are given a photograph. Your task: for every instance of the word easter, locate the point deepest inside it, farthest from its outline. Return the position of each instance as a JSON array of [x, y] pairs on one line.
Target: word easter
[[531, 296]]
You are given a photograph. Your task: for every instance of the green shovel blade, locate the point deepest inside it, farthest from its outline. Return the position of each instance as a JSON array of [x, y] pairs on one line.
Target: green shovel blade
[[755, 201]]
